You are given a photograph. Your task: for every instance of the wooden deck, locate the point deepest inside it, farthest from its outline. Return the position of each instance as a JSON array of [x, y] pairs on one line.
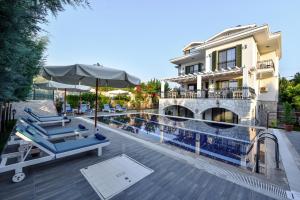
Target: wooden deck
[[172, 178]]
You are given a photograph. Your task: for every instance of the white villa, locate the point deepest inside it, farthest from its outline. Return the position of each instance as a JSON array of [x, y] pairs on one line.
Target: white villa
[[231, 77]]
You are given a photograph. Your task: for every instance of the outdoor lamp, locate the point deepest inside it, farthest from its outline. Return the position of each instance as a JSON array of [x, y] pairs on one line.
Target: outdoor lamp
[[14, 111]]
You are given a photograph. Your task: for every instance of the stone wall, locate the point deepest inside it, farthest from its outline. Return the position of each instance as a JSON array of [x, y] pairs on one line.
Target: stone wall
[[245, 109], [265, 107]]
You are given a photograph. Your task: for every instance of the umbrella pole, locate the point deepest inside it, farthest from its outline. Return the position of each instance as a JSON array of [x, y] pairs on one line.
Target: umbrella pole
[[65, 101], [96, 107], [80, 102]]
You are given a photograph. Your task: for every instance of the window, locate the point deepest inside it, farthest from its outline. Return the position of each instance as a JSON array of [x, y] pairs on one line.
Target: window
[[227, 59], [194, 68]]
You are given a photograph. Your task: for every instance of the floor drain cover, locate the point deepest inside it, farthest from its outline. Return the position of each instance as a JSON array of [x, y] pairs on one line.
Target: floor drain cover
[[113, 176]]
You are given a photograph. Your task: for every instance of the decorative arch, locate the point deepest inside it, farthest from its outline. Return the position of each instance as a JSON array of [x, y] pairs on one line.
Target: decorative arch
[[220, 114], [179, 110]]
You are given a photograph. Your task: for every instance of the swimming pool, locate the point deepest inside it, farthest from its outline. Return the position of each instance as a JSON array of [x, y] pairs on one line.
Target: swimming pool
[[226, 142]]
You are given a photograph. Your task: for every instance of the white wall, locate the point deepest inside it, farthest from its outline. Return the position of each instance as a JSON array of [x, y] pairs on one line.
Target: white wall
[[249, 54], [197, 61], [271, 83]]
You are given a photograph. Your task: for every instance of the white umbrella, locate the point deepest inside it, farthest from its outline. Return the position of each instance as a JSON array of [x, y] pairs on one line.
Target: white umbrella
[[91, 75], [52, 85], [117, 92]]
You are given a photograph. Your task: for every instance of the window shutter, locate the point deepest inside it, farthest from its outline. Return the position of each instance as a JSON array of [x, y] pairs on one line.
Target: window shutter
[[238, 55], [240, 82], [217, 85], [214, 61]]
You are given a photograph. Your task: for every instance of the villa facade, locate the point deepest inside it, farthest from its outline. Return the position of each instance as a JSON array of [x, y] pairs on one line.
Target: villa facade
[[231, 77]]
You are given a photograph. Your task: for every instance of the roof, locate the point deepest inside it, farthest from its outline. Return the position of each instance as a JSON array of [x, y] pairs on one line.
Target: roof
[[260, 33], [230, 31]]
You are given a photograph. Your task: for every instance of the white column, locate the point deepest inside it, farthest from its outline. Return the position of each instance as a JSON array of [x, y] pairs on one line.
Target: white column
[[245, 82], [208, 62], [162, 89], [199, 85]]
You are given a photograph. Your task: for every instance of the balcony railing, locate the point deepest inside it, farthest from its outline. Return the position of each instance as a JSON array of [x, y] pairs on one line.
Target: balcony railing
[[265, 64], [227, 65], [224, 93], [187, 73]]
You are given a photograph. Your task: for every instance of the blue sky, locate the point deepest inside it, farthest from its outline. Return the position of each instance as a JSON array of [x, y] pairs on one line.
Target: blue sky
[[141, 36]]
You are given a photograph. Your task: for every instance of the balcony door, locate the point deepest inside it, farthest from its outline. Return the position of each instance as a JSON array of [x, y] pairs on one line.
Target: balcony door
[[227, 59], [224, 115]]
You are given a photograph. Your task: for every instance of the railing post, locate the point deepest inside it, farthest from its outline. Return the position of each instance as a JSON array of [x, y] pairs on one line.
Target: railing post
[[268, 120], [257, 156]]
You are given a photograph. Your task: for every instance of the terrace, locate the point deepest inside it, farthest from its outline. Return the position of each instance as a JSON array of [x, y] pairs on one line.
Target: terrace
[[178, 174]]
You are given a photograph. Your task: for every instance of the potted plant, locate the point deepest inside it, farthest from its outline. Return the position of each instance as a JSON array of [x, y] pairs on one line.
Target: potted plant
[[288, 117]]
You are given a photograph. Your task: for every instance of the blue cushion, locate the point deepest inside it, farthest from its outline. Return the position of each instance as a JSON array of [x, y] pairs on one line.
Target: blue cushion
[[31, 133], [39, 128], [61, 147], [99, 136], [30, 120], [77, 144], [60, 131]]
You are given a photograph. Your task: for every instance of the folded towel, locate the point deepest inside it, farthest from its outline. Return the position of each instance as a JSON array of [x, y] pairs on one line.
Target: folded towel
[[80, 126], [99, 136]]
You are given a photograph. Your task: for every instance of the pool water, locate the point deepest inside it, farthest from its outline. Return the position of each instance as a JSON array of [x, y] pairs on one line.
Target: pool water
[[227, 143]]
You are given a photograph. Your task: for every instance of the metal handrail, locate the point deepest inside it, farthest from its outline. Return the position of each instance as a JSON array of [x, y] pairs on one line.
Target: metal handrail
[[225, 93], [265, 64]]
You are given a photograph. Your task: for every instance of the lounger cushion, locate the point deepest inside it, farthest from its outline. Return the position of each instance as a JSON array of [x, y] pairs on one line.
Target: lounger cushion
[[45, 118], [32, 134], [61, 147], [99, 136], [39, 128], [54, 132], [77, 144], [31, 120], [64, 131]]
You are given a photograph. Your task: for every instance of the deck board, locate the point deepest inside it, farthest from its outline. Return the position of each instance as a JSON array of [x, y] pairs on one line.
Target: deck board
[[171, 179]]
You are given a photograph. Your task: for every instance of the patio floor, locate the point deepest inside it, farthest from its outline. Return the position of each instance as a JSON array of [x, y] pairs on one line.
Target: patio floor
[[172, 178]]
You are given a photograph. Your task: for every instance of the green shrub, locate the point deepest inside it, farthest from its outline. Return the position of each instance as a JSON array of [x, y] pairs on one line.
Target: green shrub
[[273, 123], [288, 113], [73, 100]]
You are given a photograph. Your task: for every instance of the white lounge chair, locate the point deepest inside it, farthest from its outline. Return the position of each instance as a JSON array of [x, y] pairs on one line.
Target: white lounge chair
[[57, 132], [46, 119], [120, 108], [45, 149], [107, 108]]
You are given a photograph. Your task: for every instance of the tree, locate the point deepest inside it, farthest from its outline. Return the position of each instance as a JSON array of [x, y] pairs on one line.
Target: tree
[[296, 79], [283, 94], [21, 49], [289, 91]]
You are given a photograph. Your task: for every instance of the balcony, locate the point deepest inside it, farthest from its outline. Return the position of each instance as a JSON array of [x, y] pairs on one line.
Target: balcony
[[225, 93], [265, 68], [265, 64]]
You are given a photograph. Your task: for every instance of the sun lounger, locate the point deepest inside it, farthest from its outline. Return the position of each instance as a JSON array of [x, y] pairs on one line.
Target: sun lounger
[[46, 119], [120, 108], [34, 143], [85, 108], [57, 132], [69, 109], [107, 108]]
